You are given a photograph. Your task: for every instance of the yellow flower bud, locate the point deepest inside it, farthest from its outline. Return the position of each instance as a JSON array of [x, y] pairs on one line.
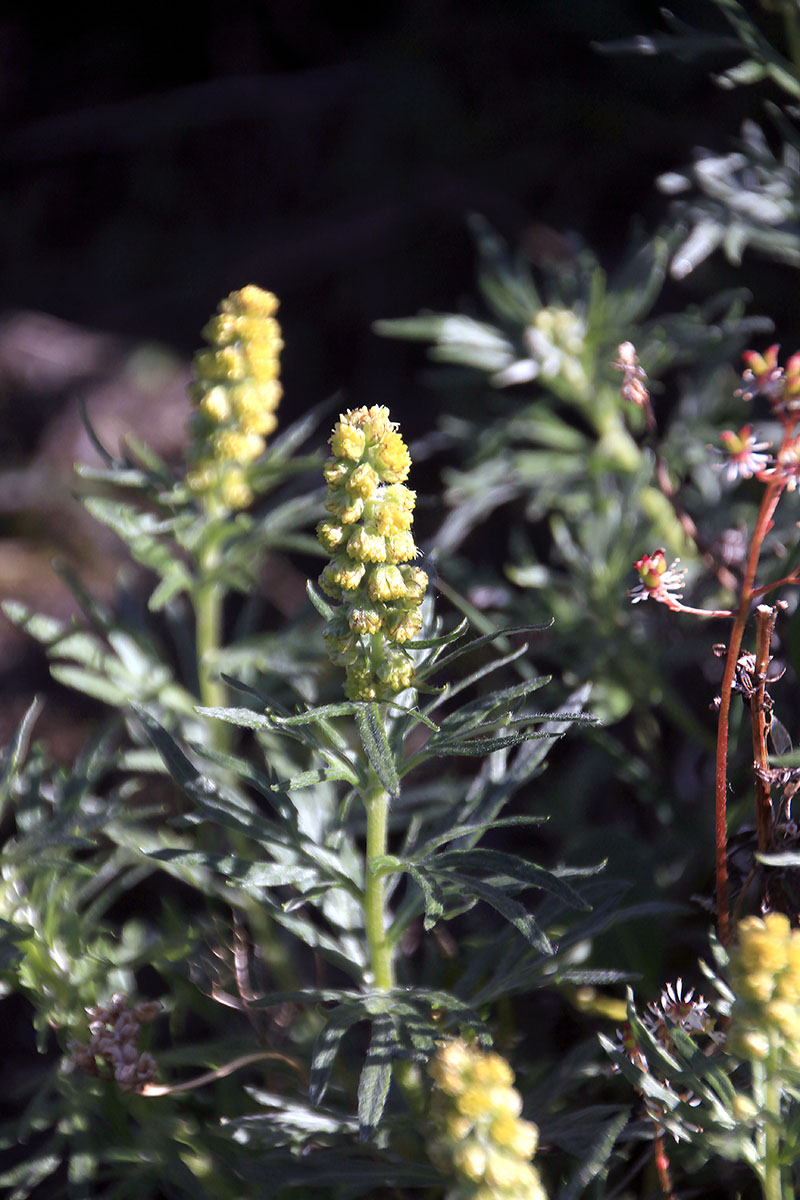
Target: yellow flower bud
[[386, 583], [347, 441], [364, 481], [365, 620], [470, 1160], [346, 507], [400, 547], [343, 574], [335, 472], [404, 626], [367, 547], [330, 535], [216, 404], [235, 491]]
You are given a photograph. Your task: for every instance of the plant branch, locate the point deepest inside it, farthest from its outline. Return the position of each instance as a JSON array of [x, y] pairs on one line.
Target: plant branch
[[769, 502], [209, 599]]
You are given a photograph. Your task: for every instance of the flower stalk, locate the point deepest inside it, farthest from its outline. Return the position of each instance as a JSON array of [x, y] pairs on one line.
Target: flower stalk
[[376, 803], [378, 593], [235, 393]]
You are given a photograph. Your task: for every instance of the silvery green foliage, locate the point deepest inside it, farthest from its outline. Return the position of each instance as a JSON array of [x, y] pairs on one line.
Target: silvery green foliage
[[553, 445], [750, 196], [747, 198], [155, 818]]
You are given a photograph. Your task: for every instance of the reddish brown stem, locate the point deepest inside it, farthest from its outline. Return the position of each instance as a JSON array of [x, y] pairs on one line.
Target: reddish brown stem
[[791, 578], [765, 626], [662, 1165], [769, 503]]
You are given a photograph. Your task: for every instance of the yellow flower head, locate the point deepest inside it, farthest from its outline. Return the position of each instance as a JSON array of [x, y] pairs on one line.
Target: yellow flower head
[[368, 535], [235, 391]]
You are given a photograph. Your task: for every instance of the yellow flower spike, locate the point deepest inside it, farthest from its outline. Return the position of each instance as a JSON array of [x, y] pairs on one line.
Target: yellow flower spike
[[369, 538], [235, 392], [765, 974], [477, 1138]]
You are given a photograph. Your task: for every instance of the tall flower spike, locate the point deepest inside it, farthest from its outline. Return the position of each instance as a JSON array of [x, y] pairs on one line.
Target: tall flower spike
[[235, 392], [478, 1138], [368, 534]]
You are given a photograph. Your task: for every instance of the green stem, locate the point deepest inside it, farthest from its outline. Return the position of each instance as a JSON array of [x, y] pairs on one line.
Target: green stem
[[376, 802], [771, 1168], [209, 600]]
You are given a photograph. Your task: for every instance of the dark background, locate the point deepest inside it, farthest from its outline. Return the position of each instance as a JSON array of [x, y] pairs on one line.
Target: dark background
[[325, 154]]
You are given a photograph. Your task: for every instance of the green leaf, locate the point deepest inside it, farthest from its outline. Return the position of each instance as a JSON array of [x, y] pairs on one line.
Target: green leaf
[[432, 895], [468, 830], [323, 608], [91, 684], [509, 909], [310, 778], [14, 753], [247, 874], [484, 640], [26, 1176], [327, 1044], [373, 1086], [786, 858], [598, 1152], [179, 766], [478, 747], [376, 746], [433, 643], [481, 711], [499, 863], [44, 629]]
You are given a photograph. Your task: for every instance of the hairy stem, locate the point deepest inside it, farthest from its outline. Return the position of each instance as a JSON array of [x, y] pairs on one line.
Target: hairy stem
[[376, 802], [208, 639], [771, 1173]]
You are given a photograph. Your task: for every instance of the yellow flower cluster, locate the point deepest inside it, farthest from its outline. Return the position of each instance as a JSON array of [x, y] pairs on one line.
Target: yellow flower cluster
[[370, 575], [765, 974], [235, 391], [479, 1137]]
